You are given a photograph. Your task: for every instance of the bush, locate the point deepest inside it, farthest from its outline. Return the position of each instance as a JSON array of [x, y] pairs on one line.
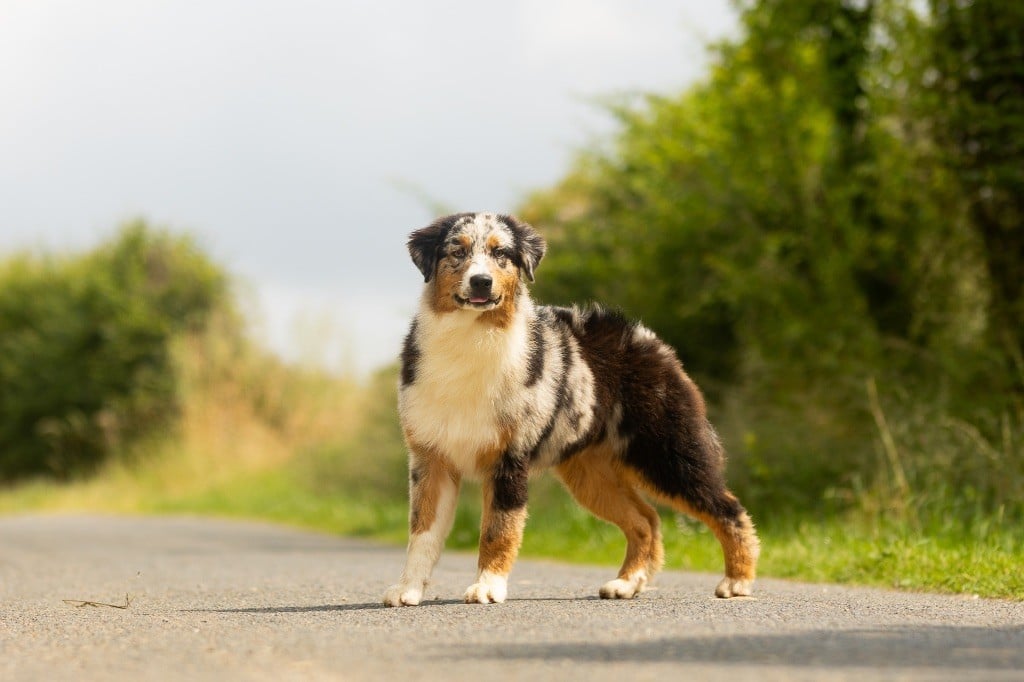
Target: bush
[[828, 230], [85, 347]]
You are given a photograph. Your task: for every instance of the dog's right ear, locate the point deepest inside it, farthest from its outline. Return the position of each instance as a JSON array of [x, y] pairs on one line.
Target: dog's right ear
[[425, 244]]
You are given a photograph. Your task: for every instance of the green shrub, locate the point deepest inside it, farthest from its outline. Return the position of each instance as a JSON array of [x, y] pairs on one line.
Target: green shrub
[[828, 229], [84, 347]]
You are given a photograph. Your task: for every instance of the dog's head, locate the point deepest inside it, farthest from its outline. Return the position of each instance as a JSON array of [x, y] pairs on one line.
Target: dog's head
[[476, 261]]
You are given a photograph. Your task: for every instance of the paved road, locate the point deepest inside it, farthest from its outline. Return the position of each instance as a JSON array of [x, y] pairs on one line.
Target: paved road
[[219, 600]]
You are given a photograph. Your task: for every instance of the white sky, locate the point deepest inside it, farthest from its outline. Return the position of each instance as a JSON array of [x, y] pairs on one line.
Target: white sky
[[278, 133]]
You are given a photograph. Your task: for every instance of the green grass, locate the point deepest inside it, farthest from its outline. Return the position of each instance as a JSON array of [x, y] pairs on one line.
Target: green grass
[[895, 556]]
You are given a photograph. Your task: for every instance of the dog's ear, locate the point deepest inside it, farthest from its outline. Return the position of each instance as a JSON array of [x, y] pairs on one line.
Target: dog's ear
[[530, 246], [425, 244]]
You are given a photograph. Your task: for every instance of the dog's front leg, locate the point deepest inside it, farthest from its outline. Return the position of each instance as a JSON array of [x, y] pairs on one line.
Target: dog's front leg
[[501, 529], [433, 493]]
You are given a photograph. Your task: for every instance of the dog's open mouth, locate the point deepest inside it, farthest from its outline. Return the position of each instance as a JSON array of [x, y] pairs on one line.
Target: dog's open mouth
[[478, 302]]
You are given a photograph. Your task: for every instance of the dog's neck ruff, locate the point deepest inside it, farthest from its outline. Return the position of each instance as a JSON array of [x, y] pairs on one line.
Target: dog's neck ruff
[[466, 373]]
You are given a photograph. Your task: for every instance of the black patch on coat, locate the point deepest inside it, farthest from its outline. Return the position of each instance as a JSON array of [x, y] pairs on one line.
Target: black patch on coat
[[415, 476], [510, 479], [671, 442], [561, 398], [410, 356], [560, 313], [529, 246], [600, 335], [535, 364]]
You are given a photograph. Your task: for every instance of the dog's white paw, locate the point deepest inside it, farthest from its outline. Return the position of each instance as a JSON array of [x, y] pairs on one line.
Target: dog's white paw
[[490, 589], [403, 594], [621, 588], [732, 587]]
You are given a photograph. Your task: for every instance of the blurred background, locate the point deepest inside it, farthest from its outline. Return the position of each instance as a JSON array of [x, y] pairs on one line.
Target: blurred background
[[300, 143], [203, 280]]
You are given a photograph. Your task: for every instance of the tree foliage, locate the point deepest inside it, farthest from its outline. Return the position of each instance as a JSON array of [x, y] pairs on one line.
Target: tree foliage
[[809, 221], [978, 84], [85, 363]]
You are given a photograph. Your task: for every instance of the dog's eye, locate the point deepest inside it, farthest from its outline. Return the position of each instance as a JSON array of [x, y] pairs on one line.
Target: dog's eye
[[502, 254], [457, 252]]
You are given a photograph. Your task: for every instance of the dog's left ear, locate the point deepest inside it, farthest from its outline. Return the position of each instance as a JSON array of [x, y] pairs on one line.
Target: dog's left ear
[[530, 246], [424, 244]]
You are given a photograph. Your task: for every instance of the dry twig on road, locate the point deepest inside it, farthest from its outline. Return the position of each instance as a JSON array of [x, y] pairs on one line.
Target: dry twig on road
[[79, 603]]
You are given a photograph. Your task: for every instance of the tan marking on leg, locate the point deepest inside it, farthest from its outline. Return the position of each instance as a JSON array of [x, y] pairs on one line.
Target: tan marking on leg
[[740, 544], [604, 486], [501, 534], [741, 548], [657, 557], [433, 470]]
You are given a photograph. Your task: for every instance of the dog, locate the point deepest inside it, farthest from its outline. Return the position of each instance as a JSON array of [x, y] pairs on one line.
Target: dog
[[494, 387]]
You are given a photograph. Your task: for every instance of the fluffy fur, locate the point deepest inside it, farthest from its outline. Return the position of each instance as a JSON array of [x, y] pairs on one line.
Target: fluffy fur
[[494, 387]]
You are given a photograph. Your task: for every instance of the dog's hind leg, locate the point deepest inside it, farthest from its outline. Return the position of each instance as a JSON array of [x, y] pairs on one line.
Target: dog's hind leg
[[433, 493], [603, 486], [700, 492], [732, 526]]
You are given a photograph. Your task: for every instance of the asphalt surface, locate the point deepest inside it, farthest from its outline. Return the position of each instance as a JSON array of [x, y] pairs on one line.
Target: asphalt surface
[[221, 600]]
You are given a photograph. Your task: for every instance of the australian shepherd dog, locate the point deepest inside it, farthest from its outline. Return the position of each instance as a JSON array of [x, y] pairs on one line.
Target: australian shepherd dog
[[494, 387]]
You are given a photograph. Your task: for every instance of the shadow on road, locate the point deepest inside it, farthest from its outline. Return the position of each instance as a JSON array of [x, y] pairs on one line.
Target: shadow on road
[[370, 606], [318, 608], [961, 648]]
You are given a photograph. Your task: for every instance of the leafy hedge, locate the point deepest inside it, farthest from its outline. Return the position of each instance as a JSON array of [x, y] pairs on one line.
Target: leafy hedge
[[85, 362], [830, 230]]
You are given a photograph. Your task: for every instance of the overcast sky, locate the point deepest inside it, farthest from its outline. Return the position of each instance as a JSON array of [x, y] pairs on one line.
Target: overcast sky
[[284, 135]]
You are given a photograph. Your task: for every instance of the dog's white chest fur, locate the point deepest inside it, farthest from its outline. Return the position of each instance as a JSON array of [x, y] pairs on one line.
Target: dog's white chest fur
[[466, 374]]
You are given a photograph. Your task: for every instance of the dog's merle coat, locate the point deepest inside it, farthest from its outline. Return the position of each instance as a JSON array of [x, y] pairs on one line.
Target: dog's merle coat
[[494, 387]]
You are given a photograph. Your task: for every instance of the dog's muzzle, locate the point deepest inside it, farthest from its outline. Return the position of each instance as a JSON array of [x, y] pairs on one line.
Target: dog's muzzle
[[480, 288], [480, 294]]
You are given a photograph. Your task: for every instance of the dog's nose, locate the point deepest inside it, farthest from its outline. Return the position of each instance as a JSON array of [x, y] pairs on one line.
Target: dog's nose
[[481, 281]]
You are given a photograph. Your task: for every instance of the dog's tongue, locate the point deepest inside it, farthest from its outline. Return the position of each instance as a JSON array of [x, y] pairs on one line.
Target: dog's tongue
[[478, 299]]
